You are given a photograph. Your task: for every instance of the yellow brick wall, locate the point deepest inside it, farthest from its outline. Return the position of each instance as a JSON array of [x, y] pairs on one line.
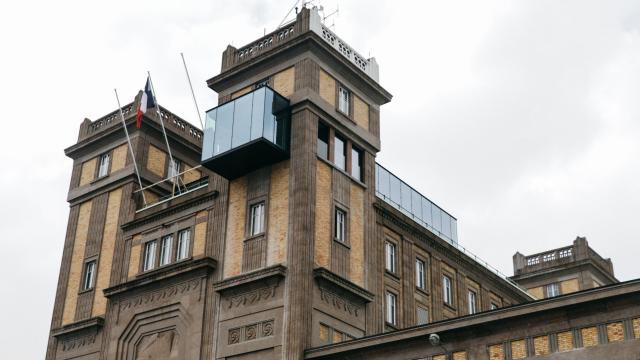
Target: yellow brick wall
[[191, 175], [496, 352], [537, 292], [541, 345], [440, 357], [278, 221], [200, 233], [356, 234], [157, 161], [565, 341], [569, 286], [134, 258], [589, 336], [324, 333], [322, 249], [284, 81], [235, 227], [615, 332], [636, 328], [77, 262], [518, 349], [360, 112], [460, 355], [327, 88], [119, 158], [241, 92], [88, 171], [106, 251]]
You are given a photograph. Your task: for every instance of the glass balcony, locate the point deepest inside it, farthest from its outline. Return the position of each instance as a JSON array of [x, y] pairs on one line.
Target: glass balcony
[[404, 198], [247, 133]]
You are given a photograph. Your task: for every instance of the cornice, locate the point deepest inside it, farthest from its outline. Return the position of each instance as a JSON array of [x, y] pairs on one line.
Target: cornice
[[324, 276], [91, 323], [258, 276]]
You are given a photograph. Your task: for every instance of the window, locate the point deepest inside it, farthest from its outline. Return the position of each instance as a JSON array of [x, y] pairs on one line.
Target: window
[[356, 163], [343, 100], [256, 219], [494, 306], [340, 226], [447, 293], [184, 238], [473, 303], [422, 316], [89, 275], [340, 153], [174, 169], [149, 261], [103, 169], [553, 290], [392, 300], [165, 249], [420, 278], [390, 256], [323, 141]]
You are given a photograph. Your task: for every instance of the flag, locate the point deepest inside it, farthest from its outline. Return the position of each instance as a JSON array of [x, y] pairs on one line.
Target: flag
[[146, 102]]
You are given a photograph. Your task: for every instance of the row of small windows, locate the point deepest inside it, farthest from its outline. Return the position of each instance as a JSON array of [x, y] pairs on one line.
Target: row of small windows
[[340, 156], [167, 253], [104, 164]]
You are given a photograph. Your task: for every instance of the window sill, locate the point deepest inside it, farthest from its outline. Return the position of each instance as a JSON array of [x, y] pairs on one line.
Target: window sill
[[256, 236], [98, 179], [449, 306], [390, 325], [392, 274], [354, 179], [342, 243], [86, 290], [422, 291]]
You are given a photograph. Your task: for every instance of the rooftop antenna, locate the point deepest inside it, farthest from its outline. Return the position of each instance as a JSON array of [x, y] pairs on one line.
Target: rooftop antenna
[[295, 6], [336, 12]]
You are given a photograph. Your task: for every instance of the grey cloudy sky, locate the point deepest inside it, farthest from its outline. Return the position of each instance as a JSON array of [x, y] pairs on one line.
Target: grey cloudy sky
[[521, 118]]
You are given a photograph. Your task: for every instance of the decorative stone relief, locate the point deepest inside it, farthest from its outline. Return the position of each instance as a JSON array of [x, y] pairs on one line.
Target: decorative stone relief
[[78, 342], [166, 293], [339, 303], [251, 332], [252, 297]]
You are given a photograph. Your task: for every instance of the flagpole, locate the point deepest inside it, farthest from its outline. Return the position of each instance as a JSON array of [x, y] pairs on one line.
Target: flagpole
[[192, 93], [133, 157], [164, 132]]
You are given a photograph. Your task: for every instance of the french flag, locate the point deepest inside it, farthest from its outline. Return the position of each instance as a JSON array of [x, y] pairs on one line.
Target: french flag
[[146, 102]]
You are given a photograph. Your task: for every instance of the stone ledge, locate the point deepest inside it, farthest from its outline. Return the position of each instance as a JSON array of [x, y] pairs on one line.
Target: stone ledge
[[91, 323], [261, 275], [322, 275]]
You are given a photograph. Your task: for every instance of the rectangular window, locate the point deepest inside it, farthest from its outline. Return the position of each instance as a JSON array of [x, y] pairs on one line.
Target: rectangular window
[[184, 238], [390, 256], [472, 302], [256, 219], [149, 260], [323, 141], [343, 100], [553, 290], [447, 293], [494, 306], [89, 275], [422, 316], [103, 169], [392, 301], [340, 226], [420, 278], [174, 169], [340, 153], [165, 249], [356, 163]]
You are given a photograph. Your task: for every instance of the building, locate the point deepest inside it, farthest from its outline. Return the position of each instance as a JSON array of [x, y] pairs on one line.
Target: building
[[272, 234]]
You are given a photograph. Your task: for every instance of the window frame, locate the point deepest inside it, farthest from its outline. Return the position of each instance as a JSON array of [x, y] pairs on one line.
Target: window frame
[[85, 267], [179, 162], [426, 310], [249, 234], [447, 296], [161, 250], [189, 245], [421, 280], [360, 175], [472, 293], [349, 104], [493, 306], [153, 264], [349, 148], [390, 260], [388, 310], [338, 208], [555, 286], [345, 154], [99, 161]]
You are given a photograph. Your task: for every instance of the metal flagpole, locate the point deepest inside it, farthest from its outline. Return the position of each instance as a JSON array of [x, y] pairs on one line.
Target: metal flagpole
[[192, 93], [133, 157], [164, 132]]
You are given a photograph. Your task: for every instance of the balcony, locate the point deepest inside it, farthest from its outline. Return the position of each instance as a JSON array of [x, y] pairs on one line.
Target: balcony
[[247, 133]]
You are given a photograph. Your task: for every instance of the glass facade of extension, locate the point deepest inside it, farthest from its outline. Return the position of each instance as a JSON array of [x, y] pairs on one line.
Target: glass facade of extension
[[259, 115], [413, 204]]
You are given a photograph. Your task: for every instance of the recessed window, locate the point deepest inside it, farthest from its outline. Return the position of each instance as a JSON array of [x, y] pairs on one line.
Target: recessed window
[[422, 315], [174, 169], [323, 141], [166, 244], [184, 238], [340, 225], [472, 302], [420, 274], [103, 169], [343, 99], [392, 302], [390, 256], [447, 291], [149, 258], [553, 290], [340, 153], [356, 163], [89, 275], [256, 219]]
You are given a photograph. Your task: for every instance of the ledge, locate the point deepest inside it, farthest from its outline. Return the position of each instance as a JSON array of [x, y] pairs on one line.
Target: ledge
[[94, 322], [323, 275], [205, 264], [261, 275]]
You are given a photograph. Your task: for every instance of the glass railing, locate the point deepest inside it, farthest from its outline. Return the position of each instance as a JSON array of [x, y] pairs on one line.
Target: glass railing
[[413, 204], [260, 114]]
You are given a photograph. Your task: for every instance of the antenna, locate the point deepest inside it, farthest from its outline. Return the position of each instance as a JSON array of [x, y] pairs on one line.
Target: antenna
[[295, 5], [335, 12]]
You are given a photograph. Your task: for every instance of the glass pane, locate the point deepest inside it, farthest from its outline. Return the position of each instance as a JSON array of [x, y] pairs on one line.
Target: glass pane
[[454, 230], [416, 204], [223, 128], [356, 163], [257, 116], [394, 189], [436, 214], [209, 129], [426, 211], [446, 225], [269, 118], [383, 182], [339, 153], [405, 193], [323, 141], [242, 120]]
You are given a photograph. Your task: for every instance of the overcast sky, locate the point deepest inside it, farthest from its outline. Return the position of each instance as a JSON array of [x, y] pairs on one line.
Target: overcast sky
[[521, 118]]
